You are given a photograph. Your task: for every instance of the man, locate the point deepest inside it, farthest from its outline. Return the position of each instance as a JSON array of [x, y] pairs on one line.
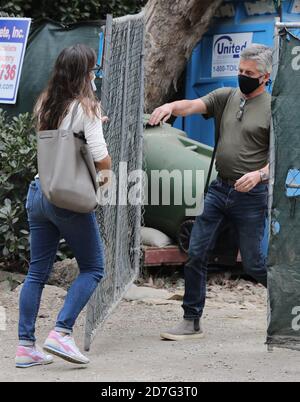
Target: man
[[242, 119]]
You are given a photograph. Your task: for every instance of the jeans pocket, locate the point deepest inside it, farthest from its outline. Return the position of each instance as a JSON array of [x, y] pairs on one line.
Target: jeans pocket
[[214, 186], [260, 189], [214, 183], [30, 195]]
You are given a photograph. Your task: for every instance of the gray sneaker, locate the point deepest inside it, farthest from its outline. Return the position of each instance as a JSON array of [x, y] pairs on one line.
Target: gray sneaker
[[186, 329]]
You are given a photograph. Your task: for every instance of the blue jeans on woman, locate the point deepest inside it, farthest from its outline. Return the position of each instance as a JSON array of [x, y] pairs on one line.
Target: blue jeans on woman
[[247, 212], [48, 224]]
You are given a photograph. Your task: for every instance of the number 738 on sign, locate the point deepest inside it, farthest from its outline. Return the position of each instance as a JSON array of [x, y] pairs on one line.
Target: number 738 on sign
[[7, 72]]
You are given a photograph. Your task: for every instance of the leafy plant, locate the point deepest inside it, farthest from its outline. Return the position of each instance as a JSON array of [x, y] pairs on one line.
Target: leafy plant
[[18, 167], [72, 11]]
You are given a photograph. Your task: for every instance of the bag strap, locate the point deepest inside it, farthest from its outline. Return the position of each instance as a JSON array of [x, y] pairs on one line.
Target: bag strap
[[214, 153], [211, 165], [74, 111], [80, 136]]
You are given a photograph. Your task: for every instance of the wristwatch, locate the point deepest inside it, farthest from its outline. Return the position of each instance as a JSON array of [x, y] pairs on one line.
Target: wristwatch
[[263, 176]]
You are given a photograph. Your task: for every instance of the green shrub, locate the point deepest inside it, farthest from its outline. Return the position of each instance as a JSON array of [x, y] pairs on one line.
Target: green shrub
[[17, 169]]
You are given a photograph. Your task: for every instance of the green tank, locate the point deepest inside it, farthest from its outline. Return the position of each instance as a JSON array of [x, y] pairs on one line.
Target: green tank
[[169, 149]]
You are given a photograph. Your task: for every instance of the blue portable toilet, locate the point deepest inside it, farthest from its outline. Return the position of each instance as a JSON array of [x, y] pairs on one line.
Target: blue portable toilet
[[215, 59]]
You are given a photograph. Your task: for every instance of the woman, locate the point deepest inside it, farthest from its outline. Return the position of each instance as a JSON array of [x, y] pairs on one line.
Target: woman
[[71, 85]]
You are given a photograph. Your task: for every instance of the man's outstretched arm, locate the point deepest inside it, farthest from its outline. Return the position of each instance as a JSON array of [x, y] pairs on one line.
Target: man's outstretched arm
[[178, 108]]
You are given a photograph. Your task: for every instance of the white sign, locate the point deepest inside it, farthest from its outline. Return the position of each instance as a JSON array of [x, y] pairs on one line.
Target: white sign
[[227, 49], [13, 38]]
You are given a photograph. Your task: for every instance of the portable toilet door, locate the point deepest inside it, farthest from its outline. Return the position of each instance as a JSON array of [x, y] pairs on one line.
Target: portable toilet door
[[214, 62]]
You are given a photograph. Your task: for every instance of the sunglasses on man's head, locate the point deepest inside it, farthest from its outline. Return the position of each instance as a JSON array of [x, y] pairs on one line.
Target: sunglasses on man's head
[[240, 113]]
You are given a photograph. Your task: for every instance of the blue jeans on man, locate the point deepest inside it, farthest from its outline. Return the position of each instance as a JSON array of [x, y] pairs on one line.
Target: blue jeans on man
[[247, 212]]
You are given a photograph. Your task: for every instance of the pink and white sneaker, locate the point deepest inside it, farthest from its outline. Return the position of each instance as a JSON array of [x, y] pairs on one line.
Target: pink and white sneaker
[[64, 347], [28, 356]]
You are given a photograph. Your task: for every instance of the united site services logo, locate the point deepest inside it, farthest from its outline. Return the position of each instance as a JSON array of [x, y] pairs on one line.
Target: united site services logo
[[226, 46]]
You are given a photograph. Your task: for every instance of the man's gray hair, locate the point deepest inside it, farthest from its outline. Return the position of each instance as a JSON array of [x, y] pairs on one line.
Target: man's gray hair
[[262, 54]]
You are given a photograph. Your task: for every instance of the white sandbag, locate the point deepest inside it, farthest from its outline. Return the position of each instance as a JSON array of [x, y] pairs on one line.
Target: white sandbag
[[155, 238]]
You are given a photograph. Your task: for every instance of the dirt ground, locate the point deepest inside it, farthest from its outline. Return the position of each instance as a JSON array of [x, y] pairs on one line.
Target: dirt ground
[[128, 347]]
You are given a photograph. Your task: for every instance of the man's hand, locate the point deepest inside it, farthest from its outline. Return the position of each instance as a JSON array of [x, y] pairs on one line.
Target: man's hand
[[162, 113], [247, 182], [179, 108]]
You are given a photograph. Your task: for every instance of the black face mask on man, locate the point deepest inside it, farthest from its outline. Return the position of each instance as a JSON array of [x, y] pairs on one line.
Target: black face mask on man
[[248, 84]]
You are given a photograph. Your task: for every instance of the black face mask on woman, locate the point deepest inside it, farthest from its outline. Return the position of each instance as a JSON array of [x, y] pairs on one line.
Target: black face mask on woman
[[248, 84]]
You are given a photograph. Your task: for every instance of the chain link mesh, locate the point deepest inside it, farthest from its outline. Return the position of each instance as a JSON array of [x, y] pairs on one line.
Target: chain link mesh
[[284, 257], [122, 95]]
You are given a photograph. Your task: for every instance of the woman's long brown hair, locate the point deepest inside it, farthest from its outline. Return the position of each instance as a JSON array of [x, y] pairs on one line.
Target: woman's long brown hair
[[70, 80]]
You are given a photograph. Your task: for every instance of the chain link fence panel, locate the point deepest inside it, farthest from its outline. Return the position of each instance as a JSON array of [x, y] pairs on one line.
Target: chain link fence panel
[[122, 95], [284, 255]]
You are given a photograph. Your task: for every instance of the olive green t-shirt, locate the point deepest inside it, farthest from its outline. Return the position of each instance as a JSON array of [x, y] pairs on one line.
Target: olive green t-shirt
[[243, 144]]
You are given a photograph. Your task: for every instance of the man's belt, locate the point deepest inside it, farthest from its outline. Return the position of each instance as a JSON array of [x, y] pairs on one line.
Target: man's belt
[[229, 182]]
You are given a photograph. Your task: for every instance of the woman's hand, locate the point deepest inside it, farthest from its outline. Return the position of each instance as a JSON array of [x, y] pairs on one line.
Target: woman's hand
[[104, 119]]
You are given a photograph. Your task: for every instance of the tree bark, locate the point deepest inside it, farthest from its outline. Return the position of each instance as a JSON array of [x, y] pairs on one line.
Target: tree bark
[[173, 28]]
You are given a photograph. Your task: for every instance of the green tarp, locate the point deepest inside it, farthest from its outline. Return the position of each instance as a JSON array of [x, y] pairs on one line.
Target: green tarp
[[284, 252], [45, 42]]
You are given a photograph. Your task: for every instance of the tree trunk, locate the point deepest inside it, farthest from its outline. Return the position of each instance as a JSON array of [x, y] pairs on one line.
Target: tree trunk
[[173, 28]]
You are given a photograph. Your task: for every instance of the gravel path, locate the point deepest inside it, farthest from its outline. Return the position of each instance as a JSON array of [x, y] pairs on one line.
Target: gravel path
[[128, 348]]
